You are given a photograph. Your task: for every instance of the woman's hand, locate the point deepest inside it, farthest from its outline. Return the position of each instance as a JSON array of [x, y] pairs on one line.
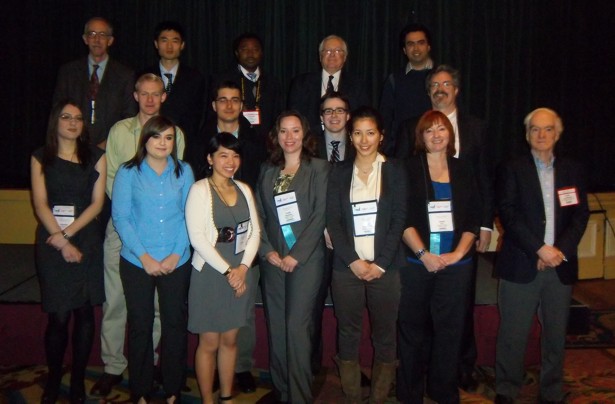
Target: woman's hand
[[433, 262], [151, 266], [57, 240], [274, 258], [359, 268], [241, 290], [451, 258], [170, 263], [71, 254], [374, 272], [288, 264], [237, 277]]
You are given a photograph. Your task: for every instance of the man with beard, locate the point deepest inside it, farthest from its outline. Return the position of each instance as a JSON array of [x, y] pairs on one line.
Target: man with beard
[[471, 145]]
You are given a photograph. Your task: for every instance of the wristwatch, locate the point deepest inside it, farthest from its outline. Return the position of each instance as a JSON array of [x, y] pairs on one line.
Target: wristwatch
[[420, 253], [228, 271]]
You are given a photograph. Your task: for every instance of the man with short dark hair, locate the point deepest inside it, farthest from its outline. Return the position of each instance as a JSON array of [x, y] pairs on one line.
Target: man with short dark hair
[[403, 96], [102, 86]]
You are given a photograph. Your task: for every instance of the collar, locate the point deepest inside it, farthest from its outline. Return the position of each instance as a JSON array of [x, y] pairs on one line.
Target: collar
[[101, 65], [428, 65], [245, 72], [539, 163], [341, 136], [325, 76], [173, 70]]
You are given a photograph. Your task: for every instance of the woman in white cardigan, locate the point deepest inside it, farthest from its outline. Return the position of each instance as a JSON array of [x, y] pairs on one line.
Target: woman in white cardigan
[[223, 227]]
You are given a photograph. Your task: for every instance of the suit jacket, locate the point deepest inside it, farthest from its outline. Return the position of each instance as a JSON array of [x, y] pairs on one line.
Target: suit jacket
[[304, 95], [185, 105], [465, 198], [310, 187], [475, 149], [321, 147], [270, 103], [390, 218], [253, 151], [114, 100], [521, 211]]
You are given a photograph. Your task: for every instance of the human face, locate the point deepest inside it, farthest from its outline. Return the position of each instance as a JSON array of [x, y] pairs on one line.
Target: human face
[[160, 146], [336, 122], [443, 92], [436, 138], [333, 55], [150, 97], [416, 48], [228, 105], [290, 135], [169, 44], [97, 43], [224, 162], [249, 54], [70, 123], [366, 137], [542, 134]]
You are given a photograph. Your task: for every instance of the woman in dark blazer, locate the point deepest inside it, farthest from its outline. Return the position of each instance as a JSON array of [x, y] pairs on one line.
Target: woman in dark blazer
[[366, 215], [291, 197], [443, 220]]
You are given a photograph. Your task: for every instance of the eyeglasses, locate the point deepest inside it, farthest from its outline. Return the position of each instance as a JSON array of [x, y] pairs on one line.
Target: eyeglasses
[[101, 35], [445, 84], [330, 52], [69, 117], [224, 100], [226, 235], [331, 111]]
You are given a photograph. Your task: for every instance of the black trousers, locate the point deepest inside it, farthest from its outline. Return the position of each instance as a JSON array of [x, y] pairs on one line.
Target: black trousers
[[139, 290], [431, 319]]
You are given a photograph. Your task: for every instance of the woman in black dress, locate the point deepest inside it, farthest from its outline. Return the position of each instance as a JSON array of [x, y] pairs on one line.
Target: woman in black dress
[[68, 188]]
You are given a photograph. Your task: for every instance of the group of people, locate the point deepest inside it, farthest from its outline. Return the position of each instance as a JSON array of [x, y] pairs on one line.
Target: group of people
[[386, 208]]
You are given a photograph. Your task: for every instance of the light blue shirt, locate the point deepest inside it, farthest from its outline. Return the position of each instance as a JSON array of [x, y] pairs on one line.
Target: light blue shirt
[[102, 65], [148, 212], [547, 185]]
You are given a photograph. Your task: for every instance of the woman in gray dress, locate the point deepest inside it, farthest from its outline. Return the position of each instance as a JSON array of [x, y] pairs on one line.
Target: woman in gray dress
[[223, 228]]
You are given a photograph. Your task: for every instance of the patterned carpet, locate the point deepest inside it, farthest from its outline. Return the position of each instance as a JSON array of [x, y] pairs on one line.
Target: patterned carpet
[[589, 378]]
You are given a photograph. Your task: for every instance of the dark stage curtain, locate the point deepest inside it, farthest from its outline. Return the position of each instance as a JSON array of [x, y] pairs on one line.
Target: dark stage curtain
[[513, 55]]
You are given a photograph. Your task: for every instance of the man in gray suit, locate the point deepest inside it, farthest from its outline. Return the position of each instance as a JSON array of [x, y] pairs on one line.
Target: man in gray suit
[[102, 86]]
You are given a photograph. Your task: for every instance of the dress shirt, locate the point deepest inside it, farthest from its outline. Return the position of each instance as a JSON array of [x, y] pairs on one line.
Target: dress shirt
[[172, 71], [325, 80], [102, 65], [148, 211], [547, 186], [245, 73], [453, 118], [122, 145], [341, 148]]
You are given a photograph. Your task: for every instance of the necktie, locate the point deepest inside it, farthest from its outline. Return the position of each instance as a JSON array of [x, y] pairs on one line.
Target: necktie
[[330, 88], [94, 83], [252, 76], [169, 77], [335, 153]]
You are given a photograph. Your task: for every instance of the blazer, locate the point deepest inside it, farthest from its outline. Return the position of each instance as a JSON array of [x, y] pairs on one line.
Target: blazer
[[321, 147], [204, 234], [185, 105], [304, 94], [521, 211], [475, 149], [310, 186], [114, 100], [390, 218], [465, 199]]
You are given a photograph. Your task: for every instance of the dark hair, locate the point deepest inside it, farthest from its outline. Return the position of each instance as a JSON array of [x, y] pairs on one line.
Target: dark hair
[[218, 140], [333, 94], [413, 27], [155, 126], [169, 26], [429, 119], [50, 151], [276, 154], [365, 112], [246, 35], [224, 84], [443, 68]]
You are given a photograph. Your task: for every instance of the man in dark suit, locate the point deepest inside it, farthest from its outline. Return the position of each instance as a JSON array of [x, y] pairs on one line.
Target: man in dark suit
[[307, 88], [261, 93], [101, 86], [185, 87], [471, 144], [542, 204]]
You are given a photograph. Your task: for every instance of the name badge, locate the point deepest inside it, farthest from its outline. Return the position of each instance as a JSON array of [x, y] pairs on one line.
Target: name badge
[[241, 236], [287, 207], [64, 214], [364, 218], [253, 116], [568, 196], [440, 216]]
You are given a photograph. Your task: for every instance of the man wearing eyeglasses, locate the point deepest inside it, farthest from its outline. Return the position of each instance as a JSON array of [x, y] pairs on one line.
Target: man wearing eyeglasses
[[403, 96], [471, 144], [102, 86], [307, 88]]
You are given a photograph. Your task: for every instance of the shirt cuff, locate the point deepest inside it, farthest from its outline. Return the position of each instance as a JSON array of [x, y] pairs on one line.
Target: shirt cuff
[[486, 228]]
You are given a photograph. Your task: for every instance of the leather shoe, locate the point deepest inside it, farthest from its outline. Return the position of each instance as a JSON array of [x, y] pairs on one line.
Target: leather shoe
[[468, 382], [245, 382], [502, 399], [105, 384]]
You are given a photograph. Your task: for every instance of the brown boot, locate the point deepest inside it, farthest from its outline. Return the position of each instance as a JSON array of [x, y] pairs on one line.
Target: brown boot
[[383, 376], [350, 375]]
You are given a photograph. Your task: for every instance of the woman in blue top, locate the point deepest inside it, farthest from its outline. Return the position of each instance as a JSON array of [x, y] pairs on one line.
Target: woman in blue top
[[443, 220], [149, 198]]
